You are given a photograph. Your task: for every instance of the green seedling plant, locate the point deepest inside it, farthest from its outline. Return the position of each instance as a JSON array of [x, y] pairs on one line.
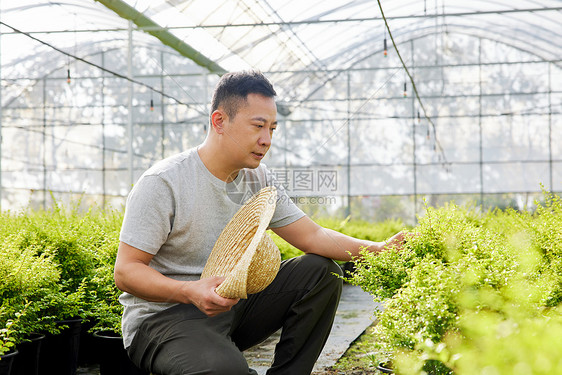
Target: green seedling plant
[[58, 264], [467, 292]]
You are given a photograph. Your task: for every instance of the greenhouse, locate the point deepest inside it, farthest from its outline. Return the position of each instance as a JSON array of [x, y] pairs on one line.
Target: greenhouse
[[417, 146], [381, 106]]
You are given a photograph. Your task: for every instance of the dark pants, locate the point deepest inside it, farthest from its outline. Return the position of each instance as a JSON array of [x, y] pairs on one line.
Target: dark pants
[[302, 300]]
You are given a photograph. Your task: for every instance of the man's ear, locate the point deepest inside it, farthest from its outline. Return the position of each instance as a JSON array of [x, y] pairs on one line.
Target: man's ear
[[218, 120]]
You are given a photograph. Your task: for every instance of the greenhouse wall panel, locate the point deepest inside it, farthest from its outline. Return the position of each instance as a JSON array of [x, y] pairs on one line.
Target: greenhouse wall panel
[[438, 179], [515, 177], [464, 107]]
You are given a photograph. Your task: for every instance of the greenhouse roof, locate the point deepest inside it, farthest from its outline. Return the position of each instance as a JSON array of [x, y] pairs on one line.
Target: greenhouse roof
[[321, 37]]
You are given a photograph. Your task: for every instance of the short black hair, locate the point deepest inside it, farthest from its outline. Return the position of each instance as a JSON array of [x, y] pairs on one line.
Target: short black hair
[[233, 89]]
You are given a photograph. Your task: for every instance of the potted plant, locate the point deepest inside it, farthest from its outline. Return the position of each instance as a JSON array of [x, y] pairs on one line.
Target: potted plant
[[26, 276], [8, 339], [23, 329], [62, 237], [113, 358], [59, 265], [63, 312], [7, 348]]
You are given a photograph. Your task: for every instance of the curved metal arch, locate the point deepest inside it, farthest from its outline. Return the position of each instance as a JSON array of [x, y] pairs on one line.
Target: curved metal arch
[[339, 72], [546, 35], [429, 30]]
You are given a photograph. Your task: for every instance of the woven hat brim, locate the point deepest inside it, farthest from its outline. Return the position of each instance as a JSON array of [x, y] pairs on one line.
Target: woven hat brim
[[264, 267], [253, 276], [233, 255]]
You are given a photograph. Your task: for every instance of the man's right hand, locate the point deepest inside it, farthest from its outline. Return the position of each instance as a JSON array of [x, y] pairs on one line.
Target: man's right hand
[[203, 296]]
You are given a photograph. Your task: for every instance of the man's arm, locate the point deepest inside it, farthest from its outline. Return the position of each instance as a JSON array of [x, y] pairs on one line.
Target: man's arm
[[312, 238], [133, 275]]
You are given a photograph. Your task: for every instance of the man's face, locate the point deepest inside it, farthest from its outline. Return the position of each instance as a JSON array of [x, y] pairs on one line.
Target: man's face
[[248, 135]]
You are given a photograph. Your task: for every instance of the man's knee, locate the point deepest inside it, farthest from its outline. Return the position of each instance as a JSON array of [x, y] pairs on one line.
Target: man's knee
[[316, 263], [322, 272]]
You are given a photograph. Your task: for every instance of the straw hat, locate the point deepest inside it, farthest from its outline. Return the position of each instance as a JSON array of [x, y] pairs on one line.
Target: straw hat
[[244, 253]]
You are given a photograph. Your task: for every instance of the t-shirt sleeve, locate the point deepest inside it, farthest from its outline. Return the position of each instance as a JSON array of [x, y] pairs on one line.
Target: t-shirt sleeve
[[149, 214]]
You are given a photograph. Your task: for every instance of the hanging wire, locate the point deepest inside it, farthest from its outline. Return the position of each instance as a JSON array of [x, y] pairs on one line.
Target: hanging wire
[[437, 143], [70, 55]]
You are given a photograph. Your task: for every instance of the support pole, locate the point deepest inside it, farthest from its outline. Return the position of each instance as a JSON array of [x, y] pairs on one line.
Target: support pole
[[44, 143], [480, 132], [130, 104], [414, 163], [103, 140], [348, 210], [0, 115], [206, 99], [162, 109], [551, 181]]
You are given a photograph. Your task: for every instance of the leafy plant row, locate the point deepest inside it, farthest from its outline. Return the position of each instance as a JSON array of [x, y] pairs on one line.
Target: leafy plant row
[[57, 265], [473, 292]]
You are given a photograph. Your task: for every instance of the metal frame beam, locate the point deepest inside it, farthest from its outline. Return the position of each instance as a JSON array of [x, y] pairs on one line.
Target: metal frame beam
[[144, 23], [308, 21]]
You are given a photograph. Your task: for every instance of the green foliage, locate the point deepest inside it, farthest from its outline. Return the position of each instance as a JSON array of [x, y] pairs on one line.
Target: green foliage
[[66, 237], [105, 300], [472, 291], [383, 274], [24, 271], [56, 265], [427, 300], [26, 276], [9, 333]]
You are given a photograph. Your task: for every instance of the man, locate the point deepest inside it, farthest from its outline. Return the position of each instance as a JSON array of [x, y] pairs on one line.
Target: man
[[173, 321]]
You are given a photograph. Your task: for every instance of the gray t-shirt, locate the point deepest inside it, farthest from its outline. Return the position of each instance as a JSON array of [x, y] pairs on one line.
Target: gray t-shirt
[[176, 211]]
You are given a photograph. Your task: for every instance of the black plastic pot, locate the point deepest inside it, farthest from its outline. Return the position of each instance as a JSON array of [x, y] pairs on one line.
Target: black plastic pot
[[59, 353], [113, 358], [27, 362], [431, 367], [88, 345], [385, 367], [6, 361]]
